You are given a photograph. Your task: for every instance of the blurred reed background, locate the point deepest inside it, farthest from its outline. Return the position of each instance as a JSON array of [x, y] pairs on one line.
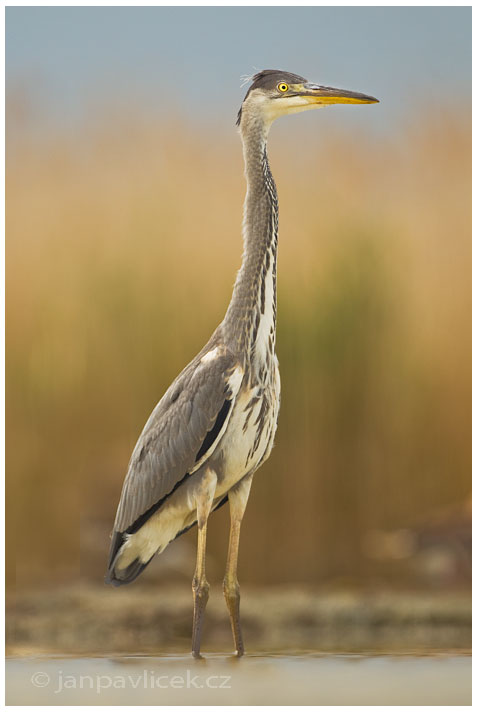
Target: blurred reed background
[[123, 239]]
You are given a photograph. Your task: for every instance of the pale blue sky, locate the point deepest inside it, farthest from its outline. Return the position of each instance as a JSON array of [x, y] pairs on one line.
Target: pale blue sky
[[72, 58]]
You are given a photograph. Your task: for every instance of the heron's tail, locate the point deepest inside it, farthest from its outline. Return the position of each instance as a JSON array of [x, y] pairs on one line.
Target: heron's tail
[[115, 574], [124, 562]]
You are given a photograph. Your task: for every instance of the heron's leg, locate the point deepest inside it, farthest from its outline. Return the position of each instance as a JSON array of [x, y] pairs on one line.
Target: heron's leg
[[238, 497], [204, 500]]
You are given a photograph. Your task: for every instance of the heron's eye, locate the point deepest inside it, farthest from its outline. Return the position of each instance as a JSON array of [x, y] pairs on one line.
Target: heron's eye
[[283, 87]]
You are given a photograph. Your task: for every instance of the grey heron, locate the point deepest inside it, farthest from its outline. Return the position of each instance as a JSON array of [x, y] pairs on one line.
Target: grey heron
[[216, 423]]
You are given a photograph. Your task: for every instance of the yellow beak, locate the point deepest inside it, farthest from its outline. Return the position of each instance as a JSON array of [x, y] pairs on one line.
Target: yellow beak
[[316, 94]]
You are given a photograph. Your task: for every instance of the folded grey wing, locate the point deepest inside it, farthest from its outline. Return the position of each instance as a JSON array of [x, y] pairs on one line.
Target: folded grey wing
[[180, 435]]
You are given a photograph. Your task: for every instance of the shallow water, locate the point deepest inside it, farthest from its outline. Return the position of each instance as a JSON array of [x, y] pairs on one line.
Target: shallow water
[[302, 679]]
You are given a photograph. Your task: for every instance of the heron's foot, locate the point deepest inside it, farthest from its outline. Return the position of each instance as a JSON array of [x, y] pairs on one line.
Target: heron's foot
[[200, 598], [233, 598]]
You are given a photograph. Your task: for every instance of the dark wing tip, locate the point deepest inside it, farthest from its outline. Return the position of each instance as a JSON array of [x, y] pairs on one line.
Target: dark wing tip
[[120, 577], [117, 540], [116, 576]]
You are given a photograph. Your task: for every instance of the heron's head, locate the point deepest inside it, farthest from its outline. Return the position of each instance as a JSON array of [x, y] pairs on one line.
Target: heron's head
[[274, 93]]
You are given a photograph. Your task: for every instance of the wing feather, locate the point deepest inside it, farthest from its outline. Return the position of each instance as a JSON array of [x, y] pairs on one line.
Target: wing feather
[[167, 449]]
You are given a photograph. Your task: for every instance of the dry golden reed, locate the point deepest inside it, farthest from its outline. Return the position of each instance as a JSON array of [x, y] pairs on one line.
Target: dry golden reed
[[122, 245]]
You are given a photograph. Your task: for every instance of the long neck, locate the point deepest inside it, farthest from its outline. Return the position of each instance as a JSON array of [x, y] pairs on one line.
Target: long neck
[[250, 321]]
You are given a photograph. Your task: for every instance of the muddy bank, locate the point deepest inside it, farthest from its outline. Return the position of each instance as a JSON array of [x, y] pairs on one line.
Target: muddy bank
[[89, 620]]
